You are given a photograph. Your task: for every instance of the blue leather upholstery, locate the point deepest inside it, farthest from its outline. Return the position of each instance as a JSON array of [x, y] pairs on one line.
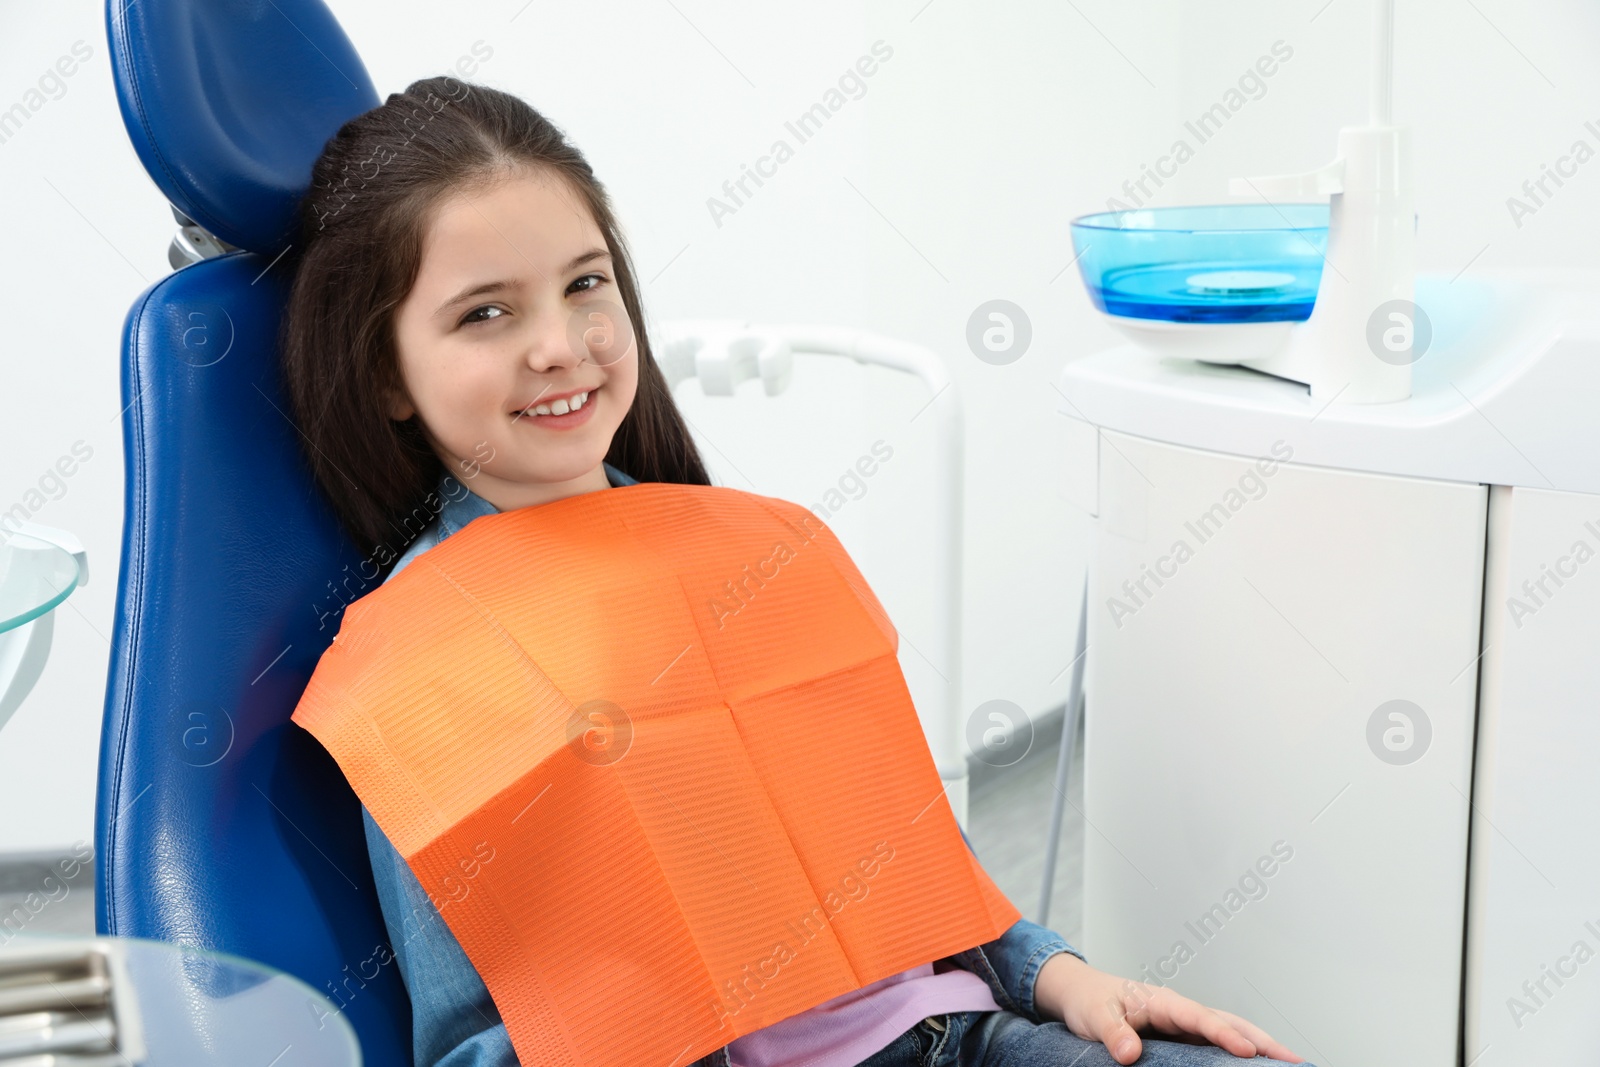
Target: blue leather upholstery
[[229, 102], [219, 824]]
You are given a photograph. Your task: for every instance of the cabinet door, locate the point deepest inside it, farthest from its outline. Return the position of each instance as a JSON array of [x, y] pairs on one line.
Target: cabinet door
[[1281, 692], [1533, 940]]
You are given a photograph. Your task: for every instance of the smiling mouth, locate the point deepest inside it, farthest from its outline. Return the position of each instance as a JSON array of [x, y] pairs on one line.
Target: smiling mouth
[[557, 408]]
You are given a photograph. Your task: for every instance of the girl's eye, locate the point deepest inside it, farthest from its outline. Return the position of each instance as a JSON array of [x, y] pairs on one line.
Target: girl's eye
[[586, 284], [468, 318]]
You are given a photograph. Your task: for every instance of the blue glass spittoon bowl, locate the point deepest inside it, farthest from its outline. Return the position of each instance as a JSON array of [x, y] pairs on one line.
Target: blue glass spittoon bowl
[[1218, 263]]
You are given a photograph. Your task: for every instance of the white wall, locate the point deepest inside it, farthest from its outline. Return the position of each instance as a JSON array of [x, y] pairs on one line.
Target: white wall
[[950, 182]]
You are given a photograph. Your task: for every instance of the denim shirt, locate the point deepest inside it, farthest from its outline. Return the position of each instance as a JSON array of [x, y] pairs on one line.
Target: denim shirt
[[454, 1020]]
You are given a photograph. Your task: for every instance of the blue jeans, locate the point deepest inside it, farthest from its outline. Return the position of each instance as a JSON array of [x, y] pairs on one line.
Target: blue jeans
[[1004, 1039]]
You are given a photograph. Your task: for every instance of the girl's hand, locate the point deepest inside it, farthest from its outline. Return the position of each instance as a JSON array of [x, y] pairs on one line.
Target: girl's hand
[[1102, 1007]]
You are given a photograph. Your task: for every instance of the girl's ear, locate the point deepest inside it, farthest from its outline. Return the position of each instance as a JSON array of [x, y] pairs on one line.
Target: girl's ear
[[400, 408]]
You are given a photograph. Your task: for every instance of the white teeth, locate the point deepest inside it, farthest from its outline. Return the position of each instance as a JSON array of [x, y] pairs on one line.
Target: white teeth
[[562, 406]]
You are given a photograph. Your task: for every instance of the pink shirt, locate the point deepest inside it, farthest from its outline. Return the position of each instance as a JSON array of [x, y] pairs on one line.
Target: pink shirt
[[847, 1029]]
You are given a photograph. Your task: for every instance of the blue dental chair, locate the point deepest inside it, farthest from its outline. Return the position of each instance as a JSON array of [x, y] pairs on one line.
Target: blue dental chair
[[218, 824]]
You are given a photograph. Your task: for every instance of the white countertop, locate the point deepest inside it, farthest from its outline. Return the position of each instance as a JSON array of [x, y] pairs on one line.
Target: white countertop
[[1507, 394]]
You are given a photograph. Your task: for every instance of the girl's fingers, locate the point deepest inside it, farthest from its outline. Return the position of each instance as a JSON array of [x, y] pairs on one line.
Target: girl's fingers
[[1111, 1026], [1185, 1015], [1117, 1022], [1263, 1040]]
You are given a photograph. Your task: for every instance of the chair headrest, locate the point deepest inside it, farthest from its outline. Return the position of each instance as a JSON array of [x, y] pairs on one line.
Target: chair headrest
[[229, 102]]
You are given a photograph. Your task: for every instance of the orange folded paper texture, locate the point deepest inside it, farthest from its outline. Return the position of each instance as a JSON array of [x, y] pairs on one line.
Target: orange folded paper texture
[[650, 752]]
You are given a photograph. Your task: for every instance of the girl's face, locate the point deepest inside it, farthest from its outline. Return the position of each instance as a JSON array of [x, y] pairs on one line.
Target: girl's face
[[516, 311]]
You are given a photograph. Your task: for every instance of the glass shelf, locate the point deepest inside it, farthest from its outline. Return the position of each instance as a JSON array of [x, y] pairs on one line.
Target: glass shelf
[[188, 1007], [35, 577]]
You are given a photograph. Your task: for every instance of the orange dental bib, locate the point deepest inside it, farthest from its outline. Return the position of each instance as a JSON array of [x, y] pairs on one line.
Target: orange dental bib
[[650, 752]]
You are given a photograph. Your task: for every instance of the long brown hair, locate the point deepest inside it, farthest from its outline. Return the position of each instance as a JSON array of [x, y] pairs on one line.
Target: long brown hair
[[357, 256]]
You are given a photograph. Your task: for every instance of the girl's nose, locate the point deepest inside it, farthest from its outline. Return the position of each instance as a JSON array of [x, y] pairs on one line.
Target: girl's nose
[[555, 343]]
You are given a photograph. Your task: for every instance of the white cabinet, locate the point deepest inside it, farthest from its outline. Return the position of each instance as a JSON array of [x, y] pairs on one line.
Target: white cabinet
[[1413, 579], [1533, 959], [1255, 840]]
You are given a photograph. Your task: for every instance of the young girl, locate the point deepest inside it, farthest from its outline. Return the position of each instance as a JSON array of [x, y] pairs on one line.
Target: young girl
[[462, 339]]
